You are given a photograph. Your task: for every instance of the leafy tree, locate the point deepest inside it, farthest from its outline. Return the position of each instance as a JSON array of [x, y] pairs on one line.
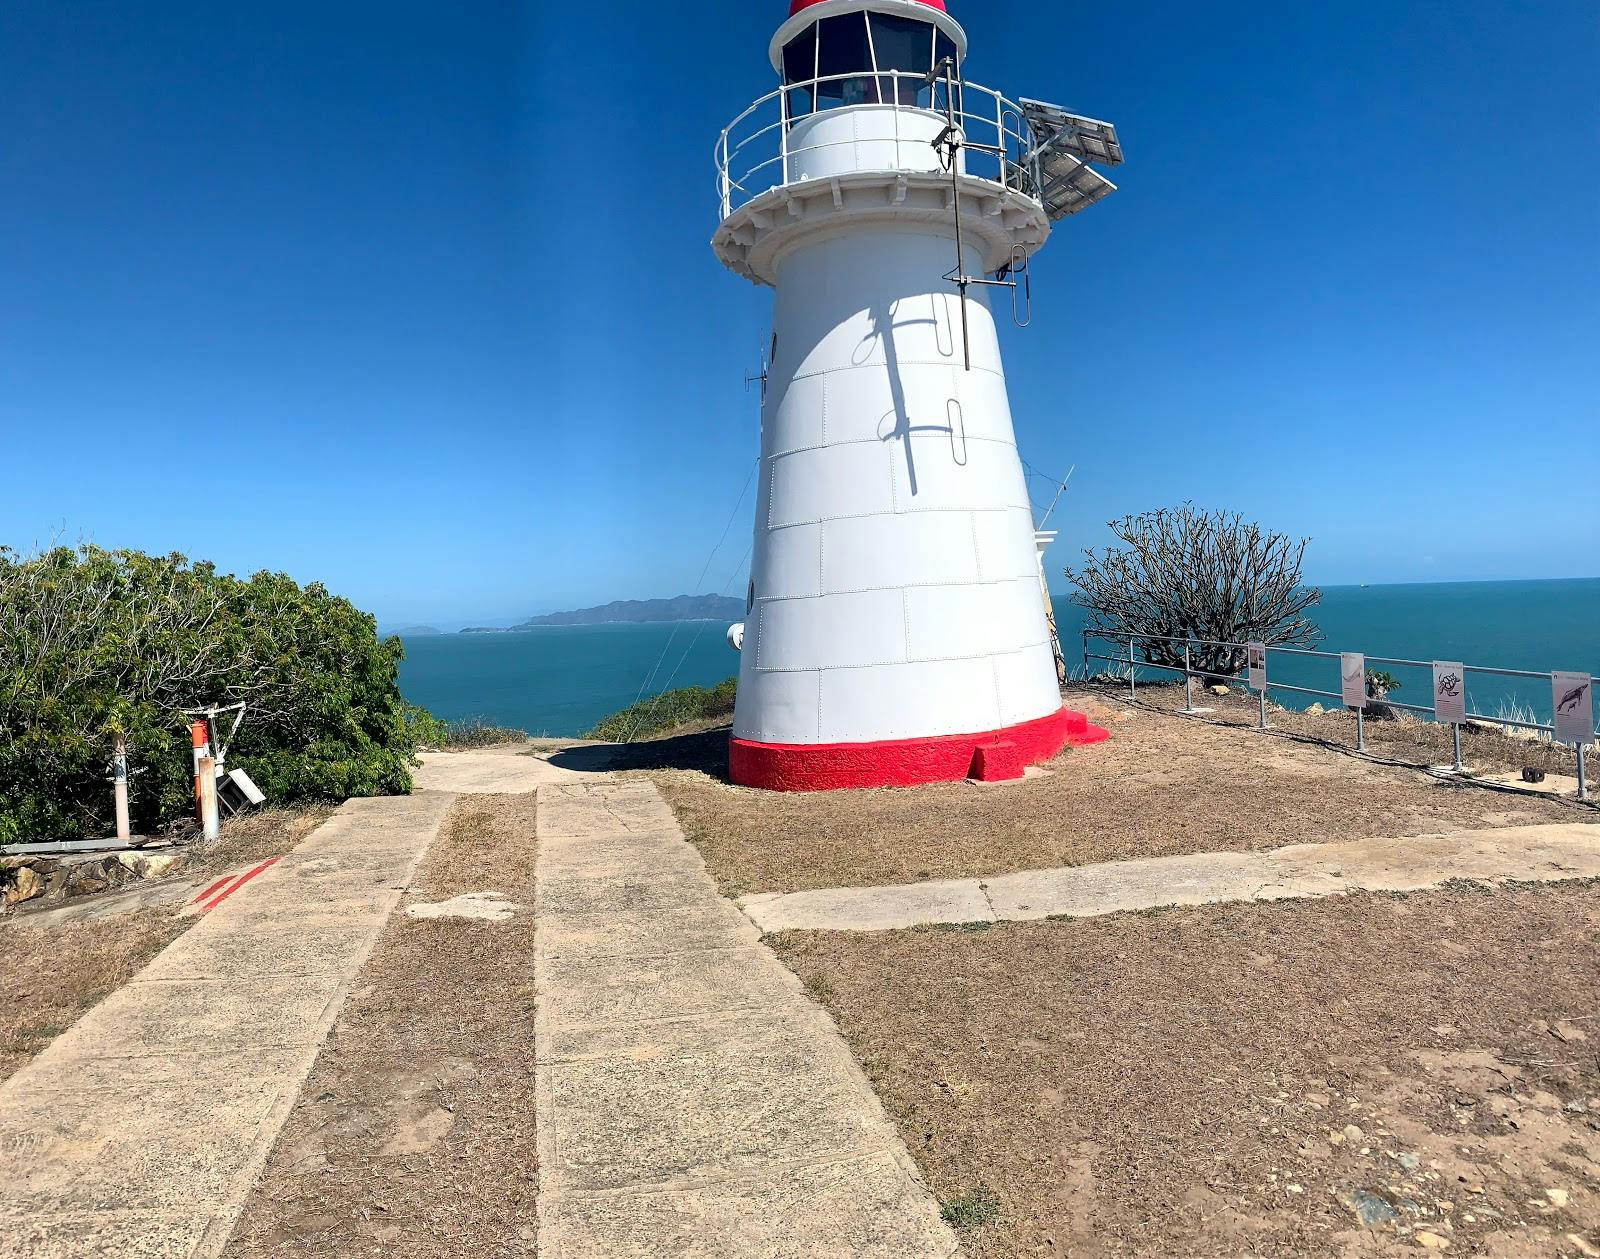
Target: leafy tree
[[1182, 573], [96, 643]]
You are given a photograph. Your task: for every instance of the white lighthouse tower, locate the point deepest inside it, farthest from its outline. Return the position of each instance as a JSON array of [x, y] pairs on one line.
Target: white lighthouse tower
[[895, 633]]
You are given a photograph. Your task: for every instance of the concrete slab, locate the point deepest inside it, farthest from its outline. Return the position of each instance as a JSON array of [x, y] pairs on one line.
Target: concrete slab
[[718, 926], [202, 1016], [139, 1131], [588, 992], [1531, 853], [676, 1104], [490, 771], [692, 1099], [912, 905], [756, 1216], [127, 1235], [260, 949]]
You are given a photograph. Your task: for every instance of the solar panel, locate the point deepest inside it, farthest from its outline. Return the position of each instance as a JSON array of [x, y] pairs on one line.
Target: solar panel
[[1086, 138], [1068, 185]]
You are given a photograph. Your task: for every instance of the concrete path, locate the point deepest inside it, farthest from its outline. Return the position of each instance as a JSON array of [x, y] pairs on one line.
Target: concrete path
[[495, 771], [693, 1102], [138, 1132], [1539, 854]]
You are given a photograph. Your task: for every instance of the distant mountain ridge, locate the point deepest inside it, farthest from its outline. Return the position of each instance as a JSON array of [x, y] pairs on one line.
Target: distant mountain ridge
[[638, 612]]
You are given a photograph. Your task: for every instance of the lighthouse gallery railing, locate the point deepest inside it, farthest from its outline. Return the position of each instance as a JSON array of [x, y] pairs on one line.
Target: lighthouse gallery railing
[[756, 151]]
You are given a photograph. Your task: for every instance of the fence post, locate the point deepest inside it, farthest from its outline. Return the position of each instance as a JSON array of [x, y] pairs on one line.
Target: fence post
[[1133, 687], [1085, 655], [1188, 680]]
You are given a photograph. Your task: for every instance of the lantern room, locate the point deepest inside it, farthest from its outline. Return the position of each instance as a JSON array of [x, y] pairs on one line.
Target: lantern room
[[833, 53]]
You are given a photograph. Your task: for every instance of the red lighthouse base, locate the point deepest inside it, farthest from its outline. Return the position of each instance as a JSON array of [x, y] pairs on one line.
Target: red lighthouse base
[[992, 756]]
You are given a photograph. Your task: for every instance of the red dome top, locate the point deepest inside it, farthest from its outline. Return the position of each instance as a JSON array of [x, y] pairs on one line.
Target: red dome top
[[796, 5]]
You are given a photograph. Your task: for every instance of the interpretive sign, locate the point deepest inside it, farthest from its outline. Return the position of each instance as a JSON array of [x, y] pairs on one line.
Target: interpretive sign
[[1353, 679], [1449, 692], [1573, 696], [1257, 655]]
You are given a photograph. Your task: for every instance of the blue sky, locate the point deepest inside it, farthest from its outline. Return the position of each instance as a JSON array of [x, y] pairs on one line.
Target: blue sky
[[417, 300]]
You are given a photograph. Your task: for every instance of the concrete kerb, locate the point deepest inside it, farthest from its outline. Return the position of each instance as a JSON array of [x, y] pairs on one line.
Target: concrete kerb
[[692, 1099], [1548, 853], [162, 1169]]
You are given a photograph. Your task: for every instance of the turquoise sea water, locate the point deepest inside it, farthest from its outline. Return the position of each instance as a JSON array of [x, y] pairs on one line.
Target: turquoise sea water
[[561, 680]]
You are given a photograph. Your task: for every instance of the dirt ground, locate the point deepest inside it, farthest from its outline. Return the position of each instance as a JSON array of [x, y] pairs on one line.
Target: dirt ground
[[1380, 1075], [414, 1134], [1161, 785], [53, 971]]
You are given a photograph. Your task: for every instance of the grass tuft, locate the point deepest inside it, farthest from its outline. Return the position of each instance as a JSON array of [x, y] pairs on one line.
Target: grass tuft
[[972, 1210]]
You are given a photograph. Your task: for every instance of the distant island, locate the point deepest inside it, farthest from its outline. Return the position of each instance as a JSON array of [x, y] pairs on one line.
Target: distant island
[[636, 612], [419, 631]]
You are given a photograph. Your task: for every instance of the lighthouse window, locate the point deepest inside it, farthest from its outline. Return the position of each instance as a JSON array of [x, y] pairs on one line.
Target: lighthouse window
[[906, 45], [799, 69], [843, 53]]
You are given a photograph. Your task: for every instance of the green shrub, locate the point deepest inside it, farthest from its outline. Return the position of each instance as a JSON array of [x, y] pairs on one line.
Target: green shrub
[[668, 711], [427, 731], [94, 643]]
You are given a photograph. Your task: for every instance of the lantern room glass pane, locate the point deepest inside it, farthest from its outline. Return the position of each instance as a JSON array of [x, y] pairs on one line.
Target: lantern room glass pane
[[799, 69], [904, 44], [842, 50]]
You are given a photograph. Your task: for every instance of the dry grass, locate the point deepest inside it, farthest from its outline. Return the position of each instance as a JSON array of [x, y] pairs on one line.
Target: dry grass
[[1180, 1083], [253, 837], [52, 975], [414, 1134], [1162, 785]]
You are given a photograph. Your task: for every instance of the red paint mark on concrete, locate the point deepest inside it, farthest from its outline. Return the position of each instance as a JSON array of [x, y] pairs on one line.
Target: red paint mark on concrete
[[227, 878], [234, 884]]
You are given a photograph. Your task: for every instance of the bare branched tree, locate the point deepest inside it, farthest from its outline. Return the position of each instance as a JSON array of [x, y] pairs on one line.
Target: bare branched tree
[[1186, 574]]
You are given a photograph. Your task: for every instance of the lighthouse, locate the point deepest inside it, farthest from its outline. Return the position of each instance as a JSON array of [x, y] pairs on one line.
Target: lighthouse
[[894, 631]]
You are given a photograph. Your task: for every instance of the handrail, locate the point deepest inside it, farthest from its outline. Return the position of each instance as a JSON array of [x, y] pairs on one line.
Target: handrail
[[1189, 674], [735, 185]]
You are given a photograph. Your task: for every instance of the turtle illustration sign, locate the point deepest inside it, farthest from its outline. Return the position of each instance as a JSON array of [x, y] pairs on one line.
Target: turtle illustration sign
[[1573, 697], [1353, 679], [1449, 692]]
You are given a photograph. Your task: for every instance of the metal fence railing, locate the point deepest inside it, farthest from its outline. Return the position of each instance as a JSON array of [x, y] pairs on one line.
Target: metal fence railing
[[1133, 663], [758, 151]]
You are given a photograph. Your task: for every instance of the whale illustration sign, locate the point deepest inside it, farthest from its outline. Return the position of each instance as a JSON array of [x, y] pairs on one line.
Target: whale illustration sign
[[1353, 679], [1449, 692], [1573, 697]]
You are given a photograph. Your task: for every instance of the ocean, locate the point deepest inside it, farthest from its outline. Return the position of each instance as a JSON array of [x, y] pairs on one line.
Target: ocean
[[561, 680]]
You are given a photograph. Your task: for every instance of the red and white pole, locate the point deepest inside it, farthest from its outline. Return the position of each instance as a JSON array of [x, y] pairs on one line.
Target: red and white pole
[[202, 750]]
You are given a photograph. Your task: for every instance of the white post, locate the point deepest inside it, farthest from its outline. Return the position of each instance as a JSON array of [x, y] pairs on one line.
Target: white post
[[210, 823], [119, 779]]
